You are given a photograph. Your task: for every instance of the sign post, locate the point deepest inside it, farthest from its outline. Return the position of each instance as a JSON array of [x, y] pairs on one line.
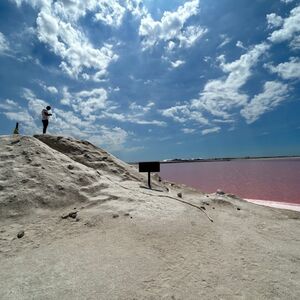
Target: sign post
[[150, 166]]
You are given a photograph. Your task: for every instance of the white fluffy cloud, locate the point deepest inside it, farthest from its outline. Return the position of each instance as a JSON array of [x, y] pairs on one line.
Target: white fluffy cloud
[[211, 130], [177, 63], [171, 26], [188, 130], [219, 96], [87, 102], [72, 46], [59, 29], [289, 29], [110, 13], [113, 138], [184, 113], [274, 21], [287, 70], [273, 94]]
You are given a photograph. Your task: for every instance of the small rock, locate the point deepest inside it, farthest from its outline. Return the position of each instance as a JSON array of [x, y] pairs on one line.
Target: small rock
[[65, 216], [179, 195], [167, 189], [203, 207], [115, 216], [15, 142], [77, 219], [220, 192], [127, 214], [60, 187], [238, 208], [205, 203], [73, 214], [70, 167], [213, 208], [20, 234]]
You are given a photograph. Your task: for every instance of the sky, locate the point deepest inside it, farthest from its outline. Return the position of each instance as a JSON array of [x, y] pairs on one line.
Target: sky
[[152, 80]]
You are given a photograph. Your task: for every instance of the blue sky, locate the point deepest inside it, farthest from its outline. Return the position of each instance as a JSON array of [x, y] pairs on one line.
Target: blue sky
[[156, 79]]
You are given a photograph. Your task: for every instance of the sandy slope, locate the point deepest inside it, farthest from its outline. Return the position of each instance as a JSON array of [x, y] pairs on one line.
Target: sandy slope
[[129, 242]]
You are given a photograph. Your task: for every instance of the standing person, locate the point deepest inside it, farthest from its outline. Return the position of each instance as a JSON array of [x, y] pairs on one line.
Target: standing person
[[45, 118]]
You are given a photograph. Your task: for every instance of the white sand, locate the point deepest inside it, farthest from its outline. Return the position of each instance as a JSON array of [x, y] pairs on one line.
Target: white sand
[[129, 242]]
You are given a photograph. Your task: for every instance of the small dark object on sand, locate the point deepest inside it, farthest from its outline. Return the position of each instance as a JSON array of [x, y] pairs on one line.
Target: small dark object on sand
[[238, 208], [115, 216], [73, 214], [213, 208], [70, 167], [20, 234], [127, 214], [65, 216], [203, 207], [179, 195], [220, 192]]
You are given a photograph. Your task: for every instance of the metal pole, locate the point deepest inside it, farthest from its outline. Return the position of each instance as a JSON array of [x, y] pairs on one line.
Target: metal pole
[[149, 180]]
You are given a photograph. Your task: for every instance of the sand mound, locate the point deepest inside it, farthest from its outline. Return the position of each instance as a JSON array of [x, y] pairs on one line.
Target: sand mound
[[55, 172]]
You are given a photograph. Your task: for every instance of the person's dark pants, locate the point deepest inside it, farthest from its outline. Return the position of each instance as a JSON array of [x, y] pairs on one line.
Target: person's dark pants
[[45, 125]]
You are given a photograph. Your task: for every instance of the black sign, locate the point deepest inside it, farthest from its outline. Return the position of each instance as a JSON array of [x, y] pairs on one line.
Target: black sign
[[151, 166]]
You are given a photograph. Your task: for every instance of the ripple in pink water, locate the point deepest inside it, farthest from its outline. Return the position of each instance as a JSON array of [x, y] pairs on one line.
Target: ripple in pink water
[[273, 179]]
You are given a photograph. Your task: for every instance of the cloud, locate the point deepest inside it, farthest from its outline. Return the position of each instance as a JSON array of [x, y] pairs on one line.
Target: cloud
[[50, 89], [171, 26], [110, 13], [58, 28], [187, 37], [114, 138], [225, 41], [188, 130], [4, 45], [287, 70], [177, 63], [210, 130], [9, 105], [240, 44], [87, 103], [72, 46], [220, 96], [273, 94], [183, 113], [295, 43], [136, 115], [274, 21], [290, 27], [287, 1]]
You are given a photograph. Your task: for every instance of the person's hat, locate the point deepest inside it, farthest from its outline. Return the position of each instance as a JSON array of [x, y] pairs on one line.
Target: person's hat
[[48, 107]]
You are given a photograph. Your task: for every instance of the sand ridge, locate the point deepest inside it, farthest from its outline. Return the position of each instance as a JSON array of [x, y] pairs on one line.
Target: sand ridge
[[129, 242]]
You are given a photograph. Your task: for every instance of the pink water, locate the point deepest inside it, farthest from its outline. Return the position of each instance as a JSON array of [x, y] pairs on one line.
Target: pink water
[[272, 179]]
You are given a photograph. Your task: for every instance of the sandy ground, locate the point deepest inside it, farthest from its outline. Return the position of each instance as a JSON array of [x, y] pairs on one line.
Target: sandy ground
[[129, 242]]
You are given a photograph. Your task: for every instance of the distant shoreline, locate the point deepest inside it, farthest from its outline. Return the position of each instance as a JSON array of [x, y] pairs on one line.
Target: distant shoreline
[[230, 159], [223, 159]]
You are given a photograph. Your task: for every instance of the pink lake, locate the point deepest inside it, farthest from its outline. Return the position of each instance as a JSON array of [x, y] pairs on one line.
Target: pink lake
[[270, 179]]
